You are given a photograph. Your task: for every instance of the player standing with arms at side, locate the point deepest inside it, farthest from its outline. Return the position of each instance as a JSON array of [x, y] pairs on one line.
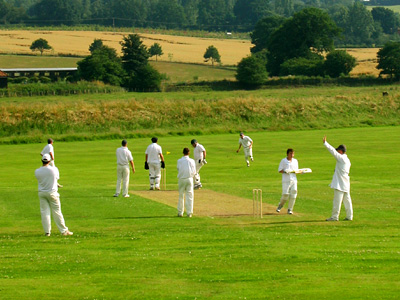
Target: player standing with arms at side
[[340, 182], [200, 160], [287, 167], [124, 158], [155, 161], [186, 171], [247, 144], [49, 197]]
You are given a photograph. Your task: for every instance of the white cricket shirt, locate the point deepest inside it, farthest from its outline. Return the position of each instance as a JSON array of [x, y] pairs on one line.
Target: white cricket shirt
[[186, 167], [198, 152], [341, 178], [285, 164], [245, 141], [153, 152], [48, 149], [124, 156], [47, 178]]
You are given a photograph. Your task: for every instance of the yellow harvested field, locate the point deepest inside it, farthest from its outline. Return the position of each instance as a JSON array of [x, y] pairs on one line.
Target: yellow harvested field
[[175, 48]]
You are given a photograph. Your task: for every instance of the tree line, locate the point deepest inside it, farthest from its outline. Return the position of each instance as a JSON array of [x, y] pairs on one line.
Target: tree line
[[359, 26]]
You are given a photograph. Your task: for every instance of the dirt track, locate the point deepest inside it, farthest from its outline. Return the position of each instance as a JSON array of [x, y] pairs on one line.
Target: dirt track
[[209, 203]]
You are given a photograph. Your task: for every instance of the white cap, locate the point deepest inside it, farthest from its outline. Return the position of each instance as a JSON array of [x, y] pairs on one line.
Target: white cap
[[46, 158]]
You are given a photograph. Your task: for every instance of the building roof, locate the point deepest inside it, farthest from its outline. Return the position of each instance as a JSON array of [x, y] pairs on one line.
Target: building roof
[[39, 69], [2, 74]]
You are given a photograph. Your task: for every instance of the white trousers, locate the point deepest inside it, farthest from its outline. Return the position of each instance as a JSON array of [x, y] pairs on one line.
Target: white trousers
[[338, 197], [155, 174], [50, 205], [197, 175], [186, 195], [122, 177], [248, 153], [289, 191]]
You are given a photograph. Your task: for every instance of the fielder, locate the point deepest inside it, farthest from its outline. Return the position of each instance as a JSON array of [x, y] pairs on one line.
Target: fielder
[[124, 158], [247, 144], [287, 167], [49, 149], [154, 162], [340, 182], [49, 197], [186, 171], [200, 160]]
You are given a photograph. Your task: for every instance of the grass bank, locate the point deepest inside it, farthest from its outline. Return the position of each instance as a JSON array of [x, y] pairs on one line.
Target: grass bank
[[119, 115]]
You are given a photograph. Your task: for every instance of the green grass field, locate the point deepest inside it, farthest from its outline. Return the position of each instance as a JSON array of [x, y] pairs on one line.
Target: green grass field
[[137, 249]]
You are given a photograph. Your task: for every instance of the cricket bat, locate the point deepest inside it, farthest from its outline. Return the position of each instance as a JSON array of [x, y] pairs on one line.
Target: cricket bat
[[301, 171]]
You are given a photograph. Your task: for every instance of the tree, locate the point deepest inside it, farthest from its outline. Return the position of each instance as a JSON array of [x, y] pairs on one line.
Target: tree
[[168, 14], [134, 53], [249, 12], [339, 62], [359, 25], [212, 54], [263, 31], [389, 60], [213, 14], [139, 74], [103, 65], [68, 12], [284, 7], [97, 44], [308, 31], [306, 66], [40, 45], [155, 50], [387, 18], [251, 71]]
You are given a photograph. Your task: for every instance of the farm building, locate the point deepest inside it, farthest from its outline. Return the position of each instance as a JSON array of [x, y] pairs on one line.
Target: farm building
[[53, 73], [3, 80]]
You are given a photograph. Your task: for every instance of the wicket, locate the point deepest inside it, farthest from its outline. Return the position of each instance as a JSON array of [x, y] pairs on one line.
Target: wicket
[[257, 203], [163, 183]]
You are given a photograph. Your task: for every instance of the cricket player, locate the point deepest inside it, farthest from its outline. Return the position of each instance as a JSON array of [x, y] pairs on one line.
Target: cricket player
[[340, 182], [186, 171], [247, 144], [155, 161], [200, 160], [287, 167], [49, 149], [124, 159], [47, 177]]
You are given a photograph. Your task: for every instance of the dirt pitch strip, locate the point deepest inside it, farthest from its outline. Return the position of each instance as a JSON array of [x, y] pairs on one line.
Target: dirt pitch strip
[[209, 203]]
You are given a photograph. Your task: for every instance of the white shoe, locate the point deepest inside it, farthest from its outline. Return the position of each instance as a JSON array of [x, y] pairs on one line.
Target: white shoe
[[116, 195], [126, 196], [180, 215], [157, 188], [65, 233], [289, 212], [331, 219], [252, 159], [189, 215], [60, 185], [248, 164], [47, 234], [347, 219], [278, 209]]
